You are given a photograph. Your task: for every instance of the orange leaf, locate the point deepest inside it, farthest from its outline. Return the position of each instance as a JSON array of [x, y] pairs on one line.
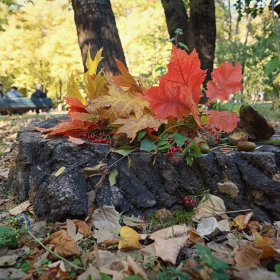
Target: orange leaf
[[75, 104], [242, 220], [264, 243], [126, 79], [223, 119], [184, 70], [226, 80]]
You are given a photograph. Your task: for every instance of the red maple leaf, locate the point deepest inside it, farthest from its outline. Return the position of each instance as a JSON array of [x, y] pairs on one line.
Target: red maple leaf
[[179, 90], [226, 80], [184, 70], [75, 105], [126, 79], [166, 100], [223, 119]]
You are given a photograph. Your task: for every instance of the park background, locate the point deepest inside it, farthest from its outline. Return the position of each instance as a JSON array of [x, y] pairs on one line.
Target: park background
[[39, 44]]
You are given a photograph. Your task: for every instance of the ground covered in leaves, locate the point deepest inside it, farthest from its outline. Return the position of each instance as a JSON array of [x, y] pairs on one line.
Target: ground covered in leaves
[[203, 244]]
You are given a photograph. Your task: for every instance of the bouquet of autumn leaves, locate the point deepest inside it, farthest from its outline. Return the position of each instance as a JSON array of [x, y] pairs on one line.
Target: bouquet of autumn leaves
[[153, 114]]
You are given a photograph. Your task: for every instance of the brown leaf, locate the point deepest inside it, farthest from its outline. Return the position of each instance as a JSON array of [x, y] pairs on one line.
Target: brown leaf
[[248, 257], [64, 245], [83, 228], [169, 249], [241, 221]]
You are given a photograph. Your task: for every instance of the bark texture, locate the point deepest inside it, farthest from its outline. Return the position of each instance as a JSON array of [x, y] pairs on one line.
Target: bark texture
[[96, 26], [199, 27]]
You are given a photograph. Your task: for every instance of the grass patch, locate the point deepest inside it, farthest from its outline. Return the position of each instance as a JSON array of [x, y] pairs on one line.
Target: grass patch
[[179, 216]]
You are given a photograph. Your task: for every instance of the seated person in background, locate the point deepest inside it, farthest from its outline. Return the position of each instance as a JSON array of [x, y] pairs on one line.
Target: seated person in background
[[38, 94], [13, 93], [1, 91]]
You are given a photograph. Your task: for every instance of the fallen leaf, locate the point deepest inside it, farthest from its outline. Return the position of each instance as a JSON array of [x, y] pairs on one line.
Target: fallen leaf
[[8, 260], [134, 222], [20, 208], [83, 228], [77, 141], [208, 227], [91, 273], [241, 221], [106, 223], [129, 239], [71, 228], [136, 269], [168, 250], [210, 207], [60, 171], [264, 243], [64, 245], [248, 256], [173, 231], [11, 273]]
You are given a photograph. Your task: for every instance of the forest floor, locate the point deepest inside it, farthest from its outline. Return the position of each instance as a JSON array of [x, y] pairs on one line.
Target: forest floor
[[164, 246]]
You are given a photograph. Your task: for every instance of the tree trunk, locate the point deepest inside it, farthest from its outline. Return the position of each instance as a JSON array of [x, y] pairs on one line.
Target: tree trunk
[[199, 27], [96, 26]]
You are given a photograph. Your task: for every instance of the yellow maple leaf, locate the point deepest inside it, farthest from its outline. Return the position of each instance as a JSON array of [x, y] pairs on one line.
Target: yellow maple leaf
[[93, 64], [121, 103], [132, 125], [73, 91], [95, 85], [95, 82], [129, 239]]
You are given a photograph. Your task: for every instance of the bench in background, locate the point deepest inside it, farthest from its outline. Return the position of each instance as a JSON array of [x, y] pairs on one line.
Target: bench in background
[[23, 105]]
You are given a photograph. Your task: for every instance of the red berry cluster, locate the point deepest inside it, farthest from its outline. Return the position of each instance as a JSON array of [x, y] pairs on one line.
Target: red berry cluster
[[101, 138], [173, 149], [213, 130], [190, 201]]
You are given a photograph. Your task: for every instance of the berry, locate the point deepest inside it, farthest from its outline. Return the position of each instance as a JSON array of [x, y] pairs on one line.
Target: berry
[[169, 154], [186, 199], [224, 146]]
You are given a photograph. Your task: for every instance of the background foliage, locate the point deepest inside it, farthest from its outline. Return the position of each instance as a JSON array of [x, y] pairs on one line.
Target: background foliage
[[39, 45]]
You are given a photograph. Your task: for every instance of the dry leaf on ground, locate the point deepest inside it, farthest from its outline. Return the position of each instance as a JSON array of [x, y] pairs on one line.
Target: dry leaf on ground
[[64, 245], [248, 256], [20, 208], [210, 207], [265, 243], [129, 239], [173, 231], [169, 249], [106, 223], [241, 221]]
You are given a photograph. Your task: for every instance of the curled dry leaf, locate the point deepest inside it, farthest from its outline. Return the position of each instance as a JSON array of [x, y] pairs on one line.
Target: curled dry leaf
[[241, 221], [129, 239], [210, 207], [248, 257], [64, 245], [20, 208], [264, 243], [168, 250], [83, 228]]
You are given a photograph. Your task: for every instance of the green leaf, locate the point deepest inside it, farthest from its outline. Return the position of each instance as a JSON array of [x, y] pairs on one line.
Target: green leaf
[[124, 151], [133, 277], [147, 144], [105, 276], [112, 177], [60, 171], [271, 65], [8, 236], [183, 45], [277, 269], [179, 139], [141, 134]]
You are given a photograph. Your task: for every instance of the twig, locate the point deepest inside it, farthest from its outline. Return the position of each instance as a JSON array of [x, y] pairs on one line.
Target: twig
[[243, 210]]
